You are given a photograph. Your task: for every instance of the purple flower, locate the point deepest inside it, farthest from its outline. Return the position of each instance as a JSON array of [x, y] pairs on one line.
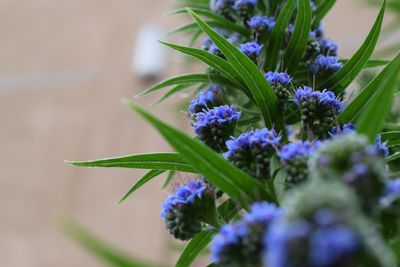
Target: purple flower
[[215, 126], [184, 194], [251, 49], [325, 98], [328, 47], [331, 244], [206, 99], [251, 151], [219, 6], [262, 23], [216, 117], [298, 149], [244, 4], [381, 148], [325, 63], [295, 157], [275, 78], [241, 243], [309, 243], [343, 129]]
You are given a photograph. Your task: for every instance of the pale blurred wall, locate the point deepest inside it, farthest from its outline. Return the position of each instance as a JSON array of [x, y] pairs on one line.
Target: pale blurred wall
[[64, 66]]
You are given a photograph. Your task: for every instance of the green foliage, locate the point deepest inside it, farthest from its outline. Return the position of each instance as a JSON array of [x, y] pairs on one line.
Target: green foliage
[[341, 79], [108, 254]]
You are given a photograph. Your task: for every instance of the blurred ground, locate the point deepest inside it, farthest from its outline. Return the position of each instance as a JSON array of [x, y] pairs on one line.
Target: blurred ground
[[64, 66]]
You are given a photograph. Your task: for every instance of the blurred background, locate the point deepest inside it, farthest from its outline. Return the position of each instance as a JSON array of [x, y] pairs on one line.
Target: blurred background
[[64, 67]]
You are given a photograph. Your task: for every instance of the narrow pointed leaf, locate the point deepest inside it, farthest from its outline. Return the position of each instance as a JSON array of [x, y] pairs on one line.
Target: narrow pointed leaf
[[146, 178], [339, 81], [298, 42], [171, 175], [237, 184], [216, 18], [157, 161], [277, 34], [173, 91], [371, 106], [100, 249], [262, 92], [393, 157], [190, 79], [211, 60]]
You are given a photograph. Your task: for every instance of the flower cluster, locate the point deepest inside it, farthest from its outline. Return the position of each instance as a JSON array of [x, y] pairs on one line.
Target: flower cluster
[[325, 64], [206, 99], [189, 206], [214, 127], [280, 83], [295, 158], [318, 110], [295, 182], [252, 151], [241, 243], [353, 161], [252, 50]]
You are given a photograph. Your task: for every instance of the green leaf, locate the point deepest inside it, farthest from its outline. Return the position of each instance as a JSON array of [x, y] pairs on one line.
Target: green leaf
[[392, 137], [172, 92], [382, 84], [223, 22], [237, 184], [371, 63], [371, 106], [146, 178], [298, 42], [211, 60], [227, 210], [279, 177], [341, 79], [190, 79], [393, 157], [262, 92], [277, 34], [101, 250], [157, 161], [321, 11], [171, 175]]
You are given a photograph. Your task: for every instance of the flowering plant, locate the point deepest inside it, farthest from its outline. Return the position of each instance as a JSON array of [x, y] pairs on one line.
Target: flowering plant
[[290, 167]]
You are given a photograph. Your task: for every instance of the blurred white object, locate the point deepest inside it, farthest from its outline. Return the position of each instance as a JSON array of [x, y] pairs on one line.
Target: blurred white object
[[149, 58]]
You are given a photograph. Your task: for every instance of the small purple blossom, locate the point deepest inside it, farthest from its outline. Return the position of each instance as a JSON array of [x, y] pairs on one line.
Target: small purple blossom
[[328, 47], [275, 78], [330, 244], [185, 194], [216, 117], [343, 129], [221, 5], [251, 49], [323, 242], [259, 138], [251, 151], [298, 149], [206, 99], [215, 126], [230, 247], [381, 147], [325, 63], [244, 4], [326, 98], [262, 23]]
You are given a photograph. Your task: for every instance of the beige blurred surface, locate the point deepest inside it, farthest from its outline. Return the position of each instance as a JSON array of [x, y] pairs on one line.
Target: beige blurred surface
[[64, 67]]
